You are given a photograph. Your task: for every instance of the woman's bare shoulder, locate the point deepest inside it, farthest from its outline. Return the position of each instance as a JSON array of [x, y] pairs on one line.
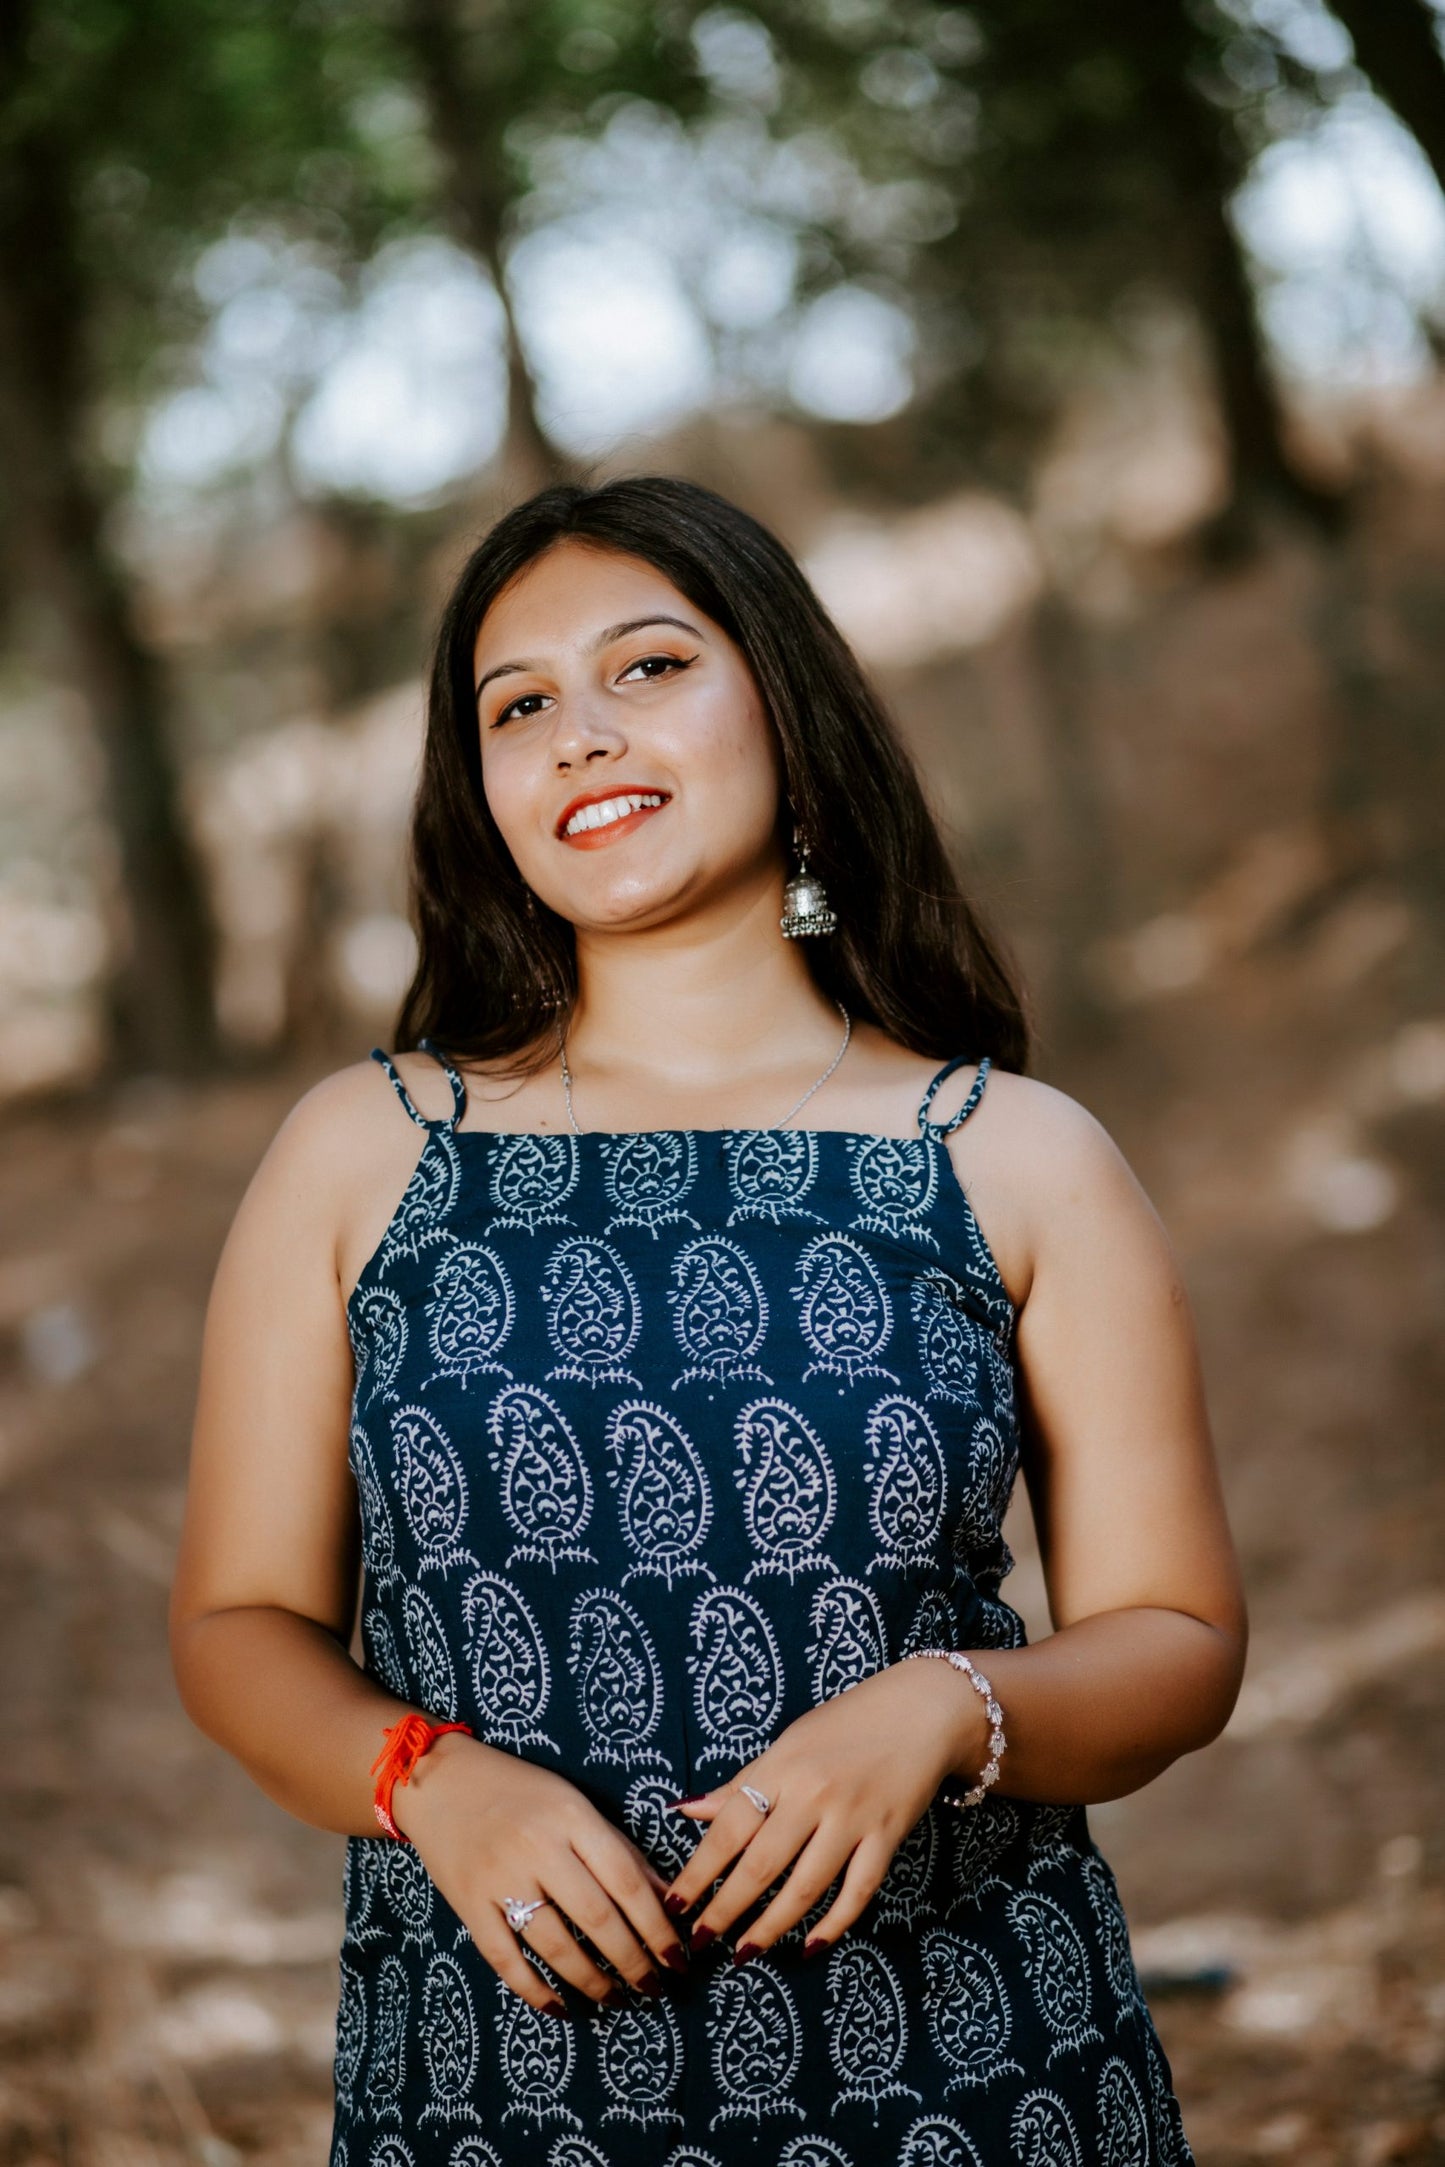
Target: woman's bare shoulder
[[1036, 1164], [342, 1137], [1036, 1121]]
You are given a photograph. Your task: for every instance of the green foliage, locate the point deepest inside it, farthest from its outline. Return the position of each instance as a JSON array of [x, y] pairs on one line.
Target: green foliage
[[145, 129], [1023, 172], [1072, 162]]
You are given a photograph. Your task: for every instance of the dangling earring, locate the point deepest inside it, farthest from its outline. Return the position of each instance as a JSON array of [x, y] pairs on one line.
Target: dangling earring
[[553, 998], [806, 909]]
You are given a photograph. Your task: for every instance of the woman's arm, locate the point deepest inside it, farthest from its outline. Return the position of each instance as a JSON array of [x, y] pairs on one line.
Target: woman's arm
[[264, 1598], [1144, 1586], [1143, 1581]]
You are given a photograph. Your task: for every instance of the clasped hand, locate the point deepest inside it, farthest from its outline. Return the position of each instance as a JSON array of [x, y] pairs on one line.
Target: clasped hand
[[846, 1781]]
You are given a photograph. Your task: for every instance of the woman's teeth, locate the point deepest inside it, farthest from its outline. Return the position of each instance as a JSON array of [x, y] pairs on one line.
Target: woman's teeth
[[604, 811]]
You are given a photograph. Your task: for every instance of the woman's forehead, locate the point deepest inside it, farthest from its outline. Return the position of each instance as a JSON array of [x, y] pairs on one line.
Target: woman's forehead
[[570, 594]]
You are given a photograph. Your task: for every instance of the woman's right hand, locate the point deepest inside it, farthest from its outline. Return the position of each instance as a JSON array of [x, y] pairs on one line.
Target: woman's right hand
[[488, 1824]]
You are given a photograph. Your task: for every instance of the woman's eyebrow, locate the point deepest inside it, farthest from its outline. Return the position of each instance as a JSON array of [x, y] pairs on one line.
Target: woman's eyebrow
[[603, 639]]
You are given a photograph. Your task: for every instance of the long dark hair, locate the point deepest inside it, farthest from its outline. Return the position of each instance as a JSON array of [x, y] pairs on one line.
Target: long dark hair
[[911, 953]]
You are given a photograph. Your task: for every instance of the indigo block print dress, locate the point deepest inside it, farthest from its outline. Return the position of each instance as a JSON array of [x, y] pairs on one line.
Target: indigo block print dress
[[659, 1440]]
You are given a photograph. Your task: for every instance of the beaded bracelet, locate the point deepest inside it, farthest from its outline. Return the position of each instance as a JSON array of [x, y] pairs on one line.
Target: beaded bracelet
[[406, 1742], [997, 1743]]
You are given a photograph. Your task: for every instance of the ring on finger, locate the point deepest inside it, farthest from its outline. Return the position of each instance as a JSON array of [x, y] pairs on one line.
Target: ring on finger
[[759, 1798], [517, 1910]]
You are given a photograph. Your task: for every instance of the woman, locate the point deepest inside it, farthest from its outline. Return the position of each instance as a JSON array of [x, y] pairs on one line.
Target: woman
[[682, 1430]]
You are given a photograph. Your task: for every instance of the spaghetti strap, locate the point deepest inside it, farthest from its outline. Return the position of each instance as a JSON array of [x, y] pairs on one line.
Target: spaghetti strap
[[945, 1128], [453, 1077], [459, 1089]]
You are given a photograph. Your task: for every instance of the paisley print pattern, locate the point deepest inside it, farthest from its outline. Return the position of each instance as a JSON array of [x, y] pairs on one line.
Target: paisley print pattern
[[647, 1178], [719, 1312], [737, 1675], [967, 2007], [380, 1342], [757, 2043], [618, 1679], [529, 1179], [536, 2058], [544, 1487], [433, 1487], [664, 1503], [906, 1478], [639, 2059], [903, 1895], [789, 1495], [510, 1670], [430, 1199], [982, 1839], [470, 1313], [450, 2042], [590, 1301], [867, 2025], [895, 1181], [409, 1892], [1058, 1967], [843, 1309], [378, 1542], [770, 1171], [849, 1637], [949, 1340], [658, 1442]]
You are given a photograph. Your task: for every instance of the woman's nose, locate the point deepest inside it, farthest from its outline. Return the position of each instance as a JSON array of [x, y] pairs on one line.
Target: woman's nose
[[584, 730]]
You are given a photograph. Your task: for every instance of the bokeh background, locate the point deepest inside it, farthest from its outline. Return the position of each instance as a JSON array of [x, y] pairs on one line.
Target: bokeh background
[[1090, 359]]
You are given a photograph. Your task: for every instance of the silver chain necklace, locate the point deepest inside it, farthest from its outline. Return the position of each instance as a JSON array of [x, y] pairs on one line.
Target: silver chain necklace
[[847, 1034]]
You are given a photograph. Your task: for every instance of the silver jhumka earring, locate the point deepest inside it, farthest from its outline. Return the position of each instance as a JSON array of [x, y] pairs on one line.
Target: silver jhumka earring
[[806, 909]]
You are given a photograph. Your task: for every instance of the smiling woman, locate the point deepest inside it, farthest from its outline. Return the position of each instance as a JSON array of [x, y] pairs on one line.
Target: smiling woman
[[704, 633], [658, 1449]]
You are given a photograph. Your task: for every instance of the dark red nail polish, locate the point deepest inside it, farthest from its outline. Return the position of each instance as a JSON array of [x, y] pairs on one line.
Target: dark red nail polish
[[613, 1998], [745, 1949], [702, 1935], [814, 1946], [674, 1905], [676, 1956], [555, 2008], [689, 1798], [651, 1983]]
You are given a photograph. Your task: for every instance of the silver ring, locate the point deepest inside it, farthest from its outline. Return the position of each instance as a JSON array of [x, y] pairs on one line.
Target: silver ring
[[759, 1798], [517, 1910]]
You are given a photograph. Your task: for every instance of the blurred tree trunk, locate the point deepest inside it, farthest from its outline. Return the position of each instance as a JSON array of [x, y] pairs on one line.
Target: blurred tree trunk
[[161, 990], [465, 121], [1395, 43], [1194, 136]]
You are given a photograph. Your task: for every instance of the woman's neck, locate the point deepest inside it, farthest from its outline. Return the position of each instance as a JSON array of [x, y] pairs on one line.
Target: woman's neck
[[697, 1009]]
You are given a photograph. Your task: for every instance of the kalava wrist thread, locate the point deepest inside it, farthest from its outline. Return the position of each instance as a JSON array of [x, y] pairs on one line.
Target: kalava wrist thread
[[406, 1742]]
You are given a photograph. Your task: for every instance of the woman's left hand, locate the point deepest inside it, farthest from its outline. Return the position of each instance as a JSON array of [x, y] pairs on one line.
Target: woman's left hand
[[847, 1781]]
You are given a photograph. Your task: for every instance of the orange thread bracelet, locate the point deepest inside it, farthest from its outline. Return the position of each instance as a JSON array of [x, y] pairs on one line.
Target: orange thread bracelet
[[406, 1742]]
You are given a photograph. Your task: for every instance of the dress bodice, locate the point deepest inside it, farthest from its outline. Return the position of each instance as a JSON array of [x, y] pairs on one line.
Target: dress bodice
[[660, 1439], [739, 1404]]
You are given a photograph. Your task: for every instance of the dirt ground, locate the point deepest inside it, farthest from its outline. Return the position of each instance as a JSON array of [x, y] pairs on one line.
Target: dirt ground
[[168, 1937]]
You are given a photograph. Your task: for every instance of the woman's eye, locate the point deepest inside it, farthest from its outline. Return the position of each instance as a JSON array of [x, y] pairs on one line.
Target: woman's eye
[[520, 701], [668, 662]]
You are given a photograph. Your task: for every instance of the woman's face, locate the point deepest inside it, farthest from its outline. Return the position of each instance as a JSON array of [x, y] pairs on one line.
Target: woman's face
[[599, 686]]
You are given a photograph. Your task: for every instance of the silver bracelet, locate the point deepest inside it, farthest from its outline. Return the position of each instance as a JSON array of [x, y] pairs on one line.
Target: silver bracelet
[[997, 1743]]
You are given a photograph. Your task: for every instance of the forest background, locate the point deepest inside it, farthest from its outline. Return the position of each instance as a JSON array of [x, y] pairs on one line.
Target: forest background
[[1090, 359]]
